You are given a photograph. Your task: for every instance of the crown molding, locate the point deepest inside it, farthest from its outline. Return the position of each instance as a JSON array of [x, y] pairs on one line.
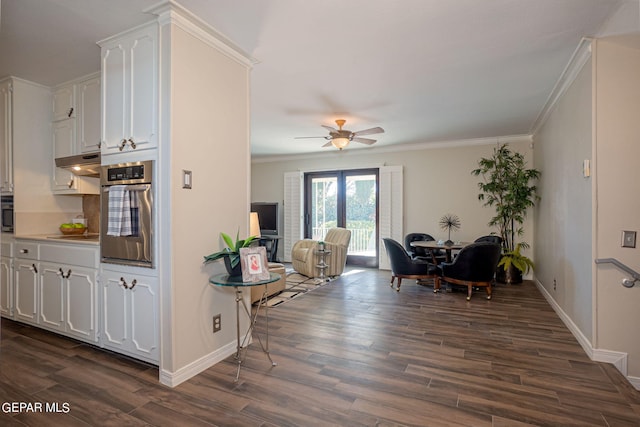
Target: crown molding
[[172, 12], [579, 58], [397, 148]]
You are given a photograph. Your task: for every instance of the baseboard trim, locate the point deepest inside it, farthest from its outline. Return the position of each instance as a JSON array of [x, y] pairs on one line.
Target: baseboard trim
[[616, 358], [173, 379]]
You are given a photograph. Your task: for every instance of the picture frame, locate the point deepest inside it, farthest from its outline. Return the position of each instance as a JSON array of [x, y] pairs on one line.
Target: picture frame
[[254, 264]]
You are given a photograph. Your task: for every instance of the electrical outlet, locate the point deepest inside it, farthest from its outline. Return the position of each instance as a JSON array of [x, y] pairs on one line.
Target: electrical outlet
[[554, 284], [217, 323]]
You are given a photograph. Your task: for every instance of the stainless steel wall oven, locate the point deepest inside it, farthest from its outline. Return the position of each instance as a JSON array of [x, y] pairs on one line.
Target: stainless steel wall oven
[[126, 204]]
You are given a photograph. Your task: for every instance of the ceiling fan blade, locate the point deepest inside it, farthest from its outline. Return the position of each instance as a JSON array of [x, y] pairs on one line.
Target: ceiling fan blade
[[369, 131], [329, 128], [328, 144], [307, 137], [364, 140]]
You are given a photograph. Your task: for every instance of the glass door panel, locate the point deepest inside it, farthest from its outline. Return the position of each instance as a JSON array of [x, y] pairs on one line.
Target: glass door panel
[[361, 214], [323, 210]]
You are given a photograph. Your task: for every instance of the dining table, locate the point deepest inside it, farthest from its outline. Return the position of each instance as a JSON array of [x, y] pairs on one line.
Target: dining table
[[432, 245]]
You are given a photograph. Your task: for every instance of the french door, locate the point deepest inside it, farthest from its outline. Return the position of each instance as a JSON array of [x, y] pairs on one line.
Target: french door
[[349, 199]]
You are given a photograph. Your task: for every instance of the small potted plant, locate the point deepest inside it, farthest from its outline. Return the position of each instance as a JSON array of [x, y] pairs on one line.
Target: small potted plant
[[514, 259], [231, 254], [509, 187]]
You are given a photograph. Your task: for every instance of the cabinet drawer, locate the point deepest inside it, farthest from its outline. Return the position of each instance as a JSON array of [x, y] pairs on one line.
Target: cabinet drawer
[[26, 250], [67, 254]]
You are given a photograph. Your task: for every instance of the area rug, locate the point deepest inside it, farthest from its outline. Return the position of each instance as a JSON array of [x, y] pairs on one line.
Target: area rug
[[295, 285]]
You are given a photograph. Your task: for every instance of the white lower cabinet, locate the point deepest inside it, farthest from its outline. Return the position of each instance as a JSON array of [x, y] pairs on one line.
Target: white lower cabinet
[[81, 303], [130, 320], [68, 300], [51, 313], [6, 286], [55, 287], [26, 290]]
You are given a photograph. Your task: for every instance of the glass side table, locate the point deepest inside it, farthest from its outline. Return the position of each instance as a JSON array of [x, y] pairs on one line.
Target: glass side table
[[322, 263], [237, 283]]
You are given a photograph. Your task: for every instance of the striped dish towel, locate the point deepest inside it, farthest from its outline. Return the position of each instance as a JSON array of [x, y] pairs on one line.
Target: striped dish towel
[[119, 221], [135, 216]]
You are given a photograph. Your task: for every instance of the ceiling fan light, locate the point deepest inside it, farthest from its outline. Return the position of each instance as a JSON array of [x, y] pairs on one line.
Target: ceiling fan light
[[340, 143]]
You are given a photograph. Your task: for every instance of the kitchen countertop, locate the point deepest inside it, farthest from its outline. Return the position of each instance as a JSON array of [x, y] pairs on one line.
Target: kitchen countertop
[[84, 239]]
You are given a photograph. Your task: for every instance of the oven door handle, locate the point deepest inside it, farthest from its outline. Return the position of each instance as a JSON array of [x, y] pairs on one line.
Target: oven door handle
[[134, 187]]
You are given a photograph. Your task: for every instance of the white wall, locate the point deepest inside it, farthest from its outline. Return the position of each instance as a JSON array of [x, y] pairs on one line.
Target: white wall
[[437, 181], [37, 210], [563, 217], [209, 115], [617, 178]]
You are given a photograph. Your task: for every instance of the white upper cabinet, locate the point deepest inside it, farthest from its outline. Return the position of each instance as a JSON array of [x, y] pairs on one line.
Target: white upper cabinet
[[77, 134], [64, 103], [64, 139], [130, 91], [6, 142], [88, 125]]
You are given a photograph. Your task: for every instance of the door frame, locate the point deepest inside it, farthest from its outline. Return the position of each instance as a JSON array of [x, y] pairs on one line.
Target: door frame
[[341, 174]]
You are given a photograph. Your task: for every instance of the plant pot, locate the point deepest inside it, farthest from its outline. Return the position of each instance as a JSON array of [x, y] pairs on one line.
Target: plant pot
[[511, 276], [235, 271]]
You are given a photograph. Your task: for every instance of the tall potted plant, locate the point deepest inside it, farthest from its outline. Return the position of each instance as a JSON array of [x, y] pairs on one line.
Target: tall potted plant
[[509, 187]]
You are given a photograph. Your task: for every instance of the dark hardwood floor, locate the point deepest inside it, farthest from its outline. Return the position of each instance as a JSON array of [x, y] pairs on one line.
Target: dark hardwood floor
[[352, 353]]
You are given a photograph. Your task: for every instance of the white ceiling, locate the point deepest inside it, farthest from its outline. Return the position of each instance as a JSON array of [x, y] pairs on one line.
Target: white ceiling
[[424, 70]]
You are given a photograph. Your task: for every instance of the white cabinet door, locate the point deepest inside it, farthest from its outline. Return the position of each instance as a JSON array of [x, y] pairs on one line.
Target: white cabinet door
[[81, 303], [130, 92], [51, 313], [6, 162], [26, 290], [144, 317], [64, 139], [88, 134], [64, 103], [115, 312], [130, 322], [6, 287]]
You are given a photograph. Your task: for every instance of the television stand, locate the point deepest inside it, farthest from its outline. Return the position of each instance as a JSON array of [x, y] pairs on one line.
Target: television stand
[[271, 245]]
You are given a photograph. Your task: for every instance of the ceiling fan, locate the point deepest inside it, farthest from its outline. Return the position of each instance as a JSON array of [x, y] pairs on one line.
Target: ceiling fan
[[340, 138]]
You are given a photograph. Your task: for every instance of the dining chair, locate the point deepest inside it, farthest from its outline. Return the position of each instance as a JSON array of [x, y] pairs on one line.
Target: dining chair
[[436, 256], [405, 267], [490, 238], [475, 265]]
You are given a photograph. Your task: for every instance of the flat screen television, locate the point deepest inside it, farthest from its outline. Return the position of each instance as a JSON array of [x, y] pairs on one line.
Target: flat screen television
[[268, 217]]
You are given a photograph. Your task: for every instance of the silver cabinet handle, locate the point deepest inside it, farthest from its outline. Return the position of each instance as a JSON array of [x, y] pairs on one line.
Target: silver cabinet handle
[[70, 183], [133, 144], [34, 268], [123, 283], [60, 272], [133, 284], [122, 144], [24, 251]]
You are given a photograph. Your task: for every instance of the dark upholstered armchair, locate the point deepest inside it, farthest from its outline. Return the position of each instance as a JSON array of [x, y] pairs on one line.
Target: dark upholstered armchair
[[405, 267], [491, 238], [436, 256], [475, 265]]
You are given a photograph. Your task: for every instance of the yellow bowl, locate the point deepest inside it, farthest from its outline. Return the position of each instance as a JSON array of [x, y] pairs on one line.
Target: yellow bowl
[[73, 230]]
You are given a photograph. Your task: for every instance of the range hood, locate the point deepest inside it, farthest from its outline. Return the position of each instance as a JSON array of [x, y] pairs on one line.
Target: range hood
[[87, 164]]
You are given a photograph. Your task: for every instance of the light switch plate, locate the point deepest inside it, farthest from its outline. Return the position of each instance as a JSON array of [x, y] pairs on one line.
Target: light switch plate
[[186, 179], [628, 239]]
